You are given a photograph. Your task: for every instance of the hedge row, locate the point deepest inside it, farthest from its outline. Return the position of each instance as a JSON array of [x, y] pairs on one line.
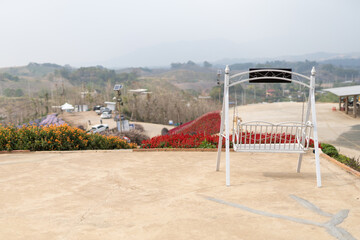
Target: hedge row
[[331, 151], [181, 140], [201, 140], [53, 137]]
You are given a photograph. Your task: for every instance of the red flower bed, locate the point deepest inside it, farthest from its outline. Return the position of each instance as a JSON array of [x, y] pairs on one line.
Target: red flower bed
[[199, 133], [179, 141], [248, 138], [208, 124], [211, 141], [256, 138]]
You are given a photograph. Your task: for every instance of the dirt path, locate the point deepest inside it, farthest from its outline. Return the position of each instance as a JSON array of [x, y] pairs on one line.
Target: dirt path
[[83, 118]]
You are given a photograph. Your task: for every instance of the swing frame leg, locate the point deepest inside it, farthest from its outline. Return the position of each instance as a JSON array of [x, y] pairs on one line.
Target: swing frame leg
[[299, 163], [220, 138]]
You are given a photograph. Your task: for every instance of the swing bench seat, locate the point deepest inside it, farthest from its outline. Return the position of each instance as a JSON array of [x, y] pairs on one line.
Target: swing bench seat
[[260, 136], [269, 148]]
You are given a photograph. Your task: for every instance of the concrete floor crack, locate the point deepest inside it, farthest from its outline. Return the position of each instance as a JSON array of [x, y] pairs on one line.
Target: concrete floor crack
[[331, 226]]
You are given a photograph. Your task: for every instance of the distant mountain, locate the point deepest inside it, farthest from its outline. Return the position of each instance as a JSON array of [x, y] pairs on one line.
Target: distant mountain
[[318, 56], [33, 69], [182, 51], [349, 60], [216, 51], [321, 56], [344, 62]]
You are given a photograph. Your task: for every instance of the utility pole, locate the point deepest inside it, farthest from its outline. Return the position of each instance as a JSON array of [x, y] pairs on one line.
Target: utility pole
[[134, 112], [218, 83], [254, 94], [119, 102]]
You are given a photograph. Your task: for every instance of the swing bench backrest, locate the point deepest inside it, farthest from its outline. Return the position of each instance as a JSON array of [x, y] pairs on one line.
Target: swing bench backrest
[[260, 136]]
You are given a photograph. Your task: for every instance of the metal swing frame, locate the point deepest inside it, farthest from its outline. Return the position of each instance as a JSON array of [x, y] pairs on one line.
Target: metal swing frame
[[300, 131]]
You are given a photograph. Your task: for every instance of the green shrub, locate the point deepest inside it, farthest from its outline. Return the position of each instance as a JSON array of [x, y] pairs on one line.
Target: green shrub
[[330, 150], [343, 159], [53, 137], [354, 163], [206, 144]]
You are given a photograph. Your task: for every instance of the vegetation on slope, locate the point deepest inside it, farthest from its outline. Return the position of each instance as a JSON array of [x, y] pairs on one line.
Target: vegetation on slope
[[35, 88]]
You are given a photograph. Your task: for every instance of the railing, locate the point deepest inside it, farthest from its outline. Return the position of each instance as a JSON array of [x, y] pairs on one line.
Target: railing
[[258, 136]]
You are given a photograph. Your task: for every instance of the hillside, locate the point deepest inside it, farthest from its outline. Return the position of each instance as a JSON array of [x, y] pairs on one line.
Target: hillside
[[34, 77], [32, 69], [35, 88]]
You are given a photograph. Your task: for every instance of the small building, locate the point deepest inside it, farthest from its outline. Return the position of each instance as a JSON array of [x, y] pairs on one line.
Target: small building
[[348, 97], [111, 105], [81, 108]]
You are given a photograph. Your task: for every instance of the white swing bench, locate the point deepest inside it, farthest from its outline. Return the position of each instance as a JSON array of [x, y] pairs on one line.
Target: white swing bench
[[261, 136]]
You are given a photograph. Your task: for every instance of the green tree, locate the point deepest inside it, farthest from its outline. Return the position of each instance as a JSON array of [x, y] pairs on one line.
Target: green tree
[[207, 64], [18, 93], [10, 92], [191, 63]]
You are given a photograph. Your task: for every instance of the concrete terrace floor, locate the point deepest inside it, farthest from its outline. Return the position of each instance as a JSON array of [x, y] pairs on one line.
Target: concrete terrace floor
[[174, 195]]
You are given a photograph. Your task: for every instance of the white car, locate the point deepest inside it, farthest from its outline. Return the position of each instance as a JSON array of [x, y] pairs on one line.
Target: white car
[[100, 110], [99, 128], [106, 115]]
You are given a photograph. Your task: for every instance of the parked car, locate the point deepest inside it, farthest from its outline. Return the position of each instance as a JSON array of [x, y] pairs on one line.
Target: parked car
[[97, 107], [100, 110], [108, 110], [106, 115], [103, 109], [98, 128]]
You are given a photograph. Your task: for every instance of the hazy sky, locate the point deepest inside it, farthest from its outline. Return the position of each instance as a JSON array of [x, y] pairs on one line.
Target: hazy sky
[[89, 32]]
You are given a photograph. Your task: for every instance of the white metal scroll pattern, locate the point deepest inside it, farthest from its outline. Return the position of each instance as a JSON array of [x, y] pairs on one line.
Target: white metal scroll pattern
[[260, 136]]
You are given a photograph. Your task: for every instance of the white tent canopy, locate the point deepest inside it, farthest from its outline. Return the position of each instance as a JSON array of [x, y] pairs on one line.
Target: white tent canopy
[[139, 90], [67, 106]]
